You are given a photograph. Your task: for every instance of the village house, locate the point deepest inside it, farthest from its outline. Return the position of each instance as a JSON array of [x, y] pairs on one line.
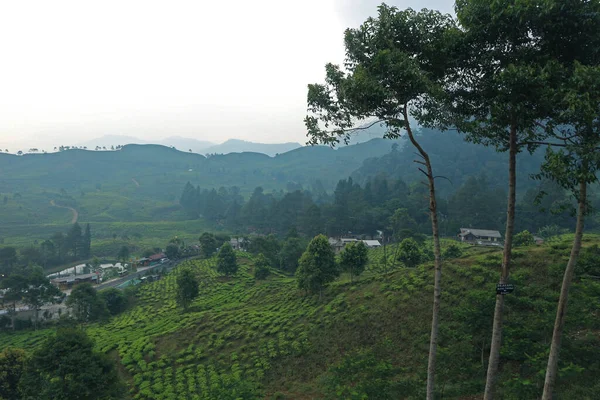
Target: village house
[[144, 262], [68, 282], [479, 235], [338, 244], [372, 244], [239, 244]]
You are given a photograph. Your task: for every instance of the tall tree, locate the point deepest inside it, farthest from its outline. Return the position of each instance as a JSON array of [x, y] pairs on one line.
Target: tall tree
[[409, 253], [504, 90], [123, 254], [87, 305], [226, 260], [39, 291], [208, 244], [67, 367], [8, 258], [86, 242], [47, 252], [115, 300], [262, 269], [187, 287], [290, 253], [395, 66], [59, 240], [574, 167], [354, 258], [15, 285], [73, 240], [317, 267]]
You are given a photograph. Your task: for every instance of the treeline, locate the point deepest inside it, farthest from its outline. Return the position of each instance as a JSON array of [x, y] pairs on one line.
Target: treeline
[[65, 366], [383, 204], [60, 248]]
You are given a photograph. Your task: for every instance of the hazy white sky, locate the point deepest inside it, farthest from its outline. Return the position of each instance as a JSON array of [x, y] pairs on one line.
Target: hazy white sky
[[212, 70]]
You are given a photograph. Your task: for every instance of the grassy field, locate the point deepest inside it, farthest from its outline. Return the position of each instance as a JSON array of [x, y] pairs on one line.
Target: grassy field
[[244, 339]]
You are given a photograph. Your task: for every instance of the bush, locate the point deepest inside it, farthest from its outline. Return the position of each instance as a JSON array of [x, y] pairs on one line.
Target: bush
[[453, 251], [524, 238], [261, 267]]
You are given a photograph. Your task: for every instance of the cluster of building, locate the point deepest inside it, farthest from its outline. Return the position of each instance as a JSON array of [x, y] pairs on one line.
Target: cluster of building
[[486, 237], [338, 244]]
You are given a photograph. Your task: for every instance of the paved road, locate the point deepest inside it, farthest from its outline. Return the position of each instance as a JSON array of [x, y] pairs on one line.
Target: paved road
[[140, 272]]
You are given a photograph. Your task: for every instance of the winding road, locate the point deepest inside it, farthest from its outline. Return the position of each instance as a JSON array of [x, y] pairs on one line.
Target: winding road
[[74, 211]]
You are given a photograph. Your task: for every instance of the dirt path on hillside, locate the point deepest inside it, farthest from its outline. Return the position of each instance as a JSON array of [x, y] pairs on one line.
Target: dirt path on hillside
[[136, 182], [74, 211]]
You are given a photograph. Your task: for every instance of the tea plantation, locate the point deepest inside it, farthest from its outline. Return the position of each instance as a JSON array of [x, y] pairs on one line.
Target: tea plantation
[[247, 339]]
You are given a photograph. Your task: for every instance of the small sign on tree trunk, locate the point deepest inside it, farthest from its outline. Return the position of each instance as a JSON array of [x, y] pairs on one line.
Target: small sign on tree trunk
[[504, 288]]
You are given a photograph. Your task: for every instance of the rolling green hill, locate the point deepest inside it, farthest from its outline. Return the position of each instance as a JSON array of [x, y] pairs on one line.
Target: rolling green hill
[[243, 339], [142, 183]]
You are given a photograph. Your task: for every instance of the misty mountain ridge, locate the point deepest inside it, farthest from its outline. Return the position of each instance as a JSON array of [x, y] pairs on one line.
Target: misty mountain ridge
[[195, 145]]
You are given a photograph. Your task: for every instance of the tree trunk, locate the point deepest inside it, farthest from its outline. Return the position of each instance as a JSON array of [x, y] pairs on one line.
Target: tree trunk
[[437, 289], [494, 360], [37, 315], [559, 323]]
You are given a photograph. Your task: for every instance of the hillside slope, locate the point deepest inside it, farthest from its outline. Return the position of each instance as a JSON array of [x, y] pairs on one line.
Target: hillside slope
[[244, 339], [143, 182]]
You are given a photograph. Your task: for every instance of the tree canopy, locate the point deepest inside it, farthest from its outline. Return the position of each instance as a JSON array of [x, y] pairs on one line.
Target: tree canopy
[[66, 367], [226, 260], [317, 267]]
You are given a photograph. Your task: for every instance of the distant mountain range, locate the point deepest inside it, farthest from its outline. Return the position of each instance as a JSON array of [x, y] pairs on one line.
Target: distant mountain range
[[195, 145]]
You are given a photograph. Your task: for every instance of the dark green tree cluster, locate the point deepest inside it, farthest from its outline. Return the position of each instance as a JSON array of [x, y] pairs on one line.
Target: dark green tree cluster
[[87, 304], [214, 205], [187, 287], [226, 260], [262, 269], [31, 287], [384, 202], [59, 249], [66, 366], [317, 267], [354, 258]]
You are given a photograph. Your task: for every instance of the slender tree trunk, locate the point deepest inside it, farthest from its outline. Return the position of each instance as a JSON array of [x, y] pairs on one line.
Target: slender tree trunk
[[37, 316], [13, 316], [494, 360], [561, 312], [437, 287]]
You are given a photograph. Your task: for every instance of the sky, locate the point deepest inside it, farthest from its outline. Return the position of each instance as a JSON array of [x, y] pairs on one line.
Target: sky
[[213, 70]]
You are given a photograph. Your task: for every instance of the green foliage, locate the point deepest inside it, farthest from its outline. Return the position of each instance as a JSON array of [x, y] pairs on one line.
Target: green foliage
[[317, 266], [12, 364], [226, 260], [452, 251], [268, 246], [588, 262], [354, 258], [409, 253], [208, 244], [363, 375], [524, 238], [261, 267], [87, 305], [257, 339], [187, 287], [115, 300], [172, 251], [290, 254], [66, 367], [123, 254]]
